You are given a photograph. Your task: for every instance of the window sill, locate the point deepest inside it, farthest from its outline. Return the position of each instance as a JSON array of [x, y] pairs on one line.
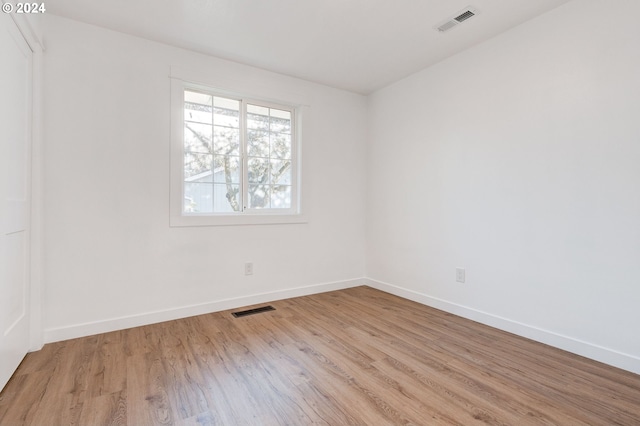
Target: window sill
[[237, 220]]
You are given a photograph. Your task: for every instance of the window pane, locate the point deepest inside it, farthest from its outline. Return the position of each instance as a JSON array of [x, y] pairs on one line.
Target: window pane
[[226, 169], [281, 197], [257, 117], [198, 197], [280, 121], [281, 172], [197, 107], [258, 143], [226, 103], [226, 141], [197, 167], [211, 198], [226, 198], [197, 98], [226, 112], [258, 170], [280, 145], [197, 137], [258, 196]]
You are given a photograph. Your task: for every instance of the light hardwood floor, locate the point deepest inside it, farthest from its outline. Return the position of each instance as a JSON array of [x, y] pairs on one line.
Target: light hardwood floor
[[357, 356]]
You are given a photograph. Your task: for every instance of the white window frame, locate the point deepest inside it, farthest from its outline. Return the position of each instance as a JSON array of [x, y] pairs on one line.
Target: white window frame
[[248, 216]]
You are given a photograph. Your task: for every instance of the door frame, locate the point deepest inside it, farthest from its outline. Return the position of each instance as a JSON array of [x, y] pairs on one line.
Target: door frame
[[30, 27]]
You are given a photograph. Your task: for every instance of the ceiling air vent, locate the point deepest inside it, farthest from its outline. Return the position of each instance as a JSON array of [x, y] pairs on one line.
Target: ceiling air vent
[[459, 17], [464, 16]]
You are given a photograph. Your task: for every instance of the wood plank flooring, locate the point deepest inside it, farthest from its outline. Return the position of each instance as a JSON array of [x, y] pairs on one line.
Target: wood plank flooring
[[351, 357]]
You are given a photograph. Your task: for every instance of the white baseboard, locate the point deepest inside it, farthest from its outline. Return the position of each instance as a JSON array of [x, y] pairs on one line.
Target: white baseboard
[[96, 327], [569, 344], [579, 347]]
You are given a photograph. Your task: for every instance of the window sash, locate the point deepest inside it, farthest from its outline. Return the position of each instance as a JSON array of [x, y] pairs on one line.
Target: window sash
[[290, 214], [248, 157]]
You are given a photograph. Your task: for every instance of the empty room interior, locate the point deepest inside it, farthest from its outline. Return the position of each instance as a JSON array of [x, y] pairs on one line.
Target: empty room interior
[[368, 212]]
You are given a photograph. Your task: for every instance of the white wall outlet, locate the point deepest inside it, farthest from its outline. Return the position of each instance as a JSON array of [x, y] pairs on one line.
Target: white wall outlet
[[460, 275], [248, 268]]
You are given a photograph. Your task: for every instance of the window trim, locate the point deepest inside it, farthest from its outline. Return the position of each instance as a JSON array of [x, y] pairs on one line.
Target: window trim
[[248, 216]]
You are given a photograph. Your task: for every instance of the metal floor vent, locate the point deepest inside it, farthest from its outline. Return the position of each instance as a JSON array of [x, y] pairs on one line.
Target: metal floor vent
[[253, 311], [459, 17]]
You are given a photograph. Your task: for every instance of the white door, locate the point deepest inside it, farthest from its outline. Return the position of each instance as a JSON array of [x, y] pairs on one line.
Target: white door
[[15, 161]]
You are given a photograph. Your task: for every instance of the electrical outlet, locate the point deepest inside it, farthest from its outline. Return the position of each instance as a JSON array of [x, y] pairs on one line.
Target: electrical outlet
[[460, 275], [248, 268]]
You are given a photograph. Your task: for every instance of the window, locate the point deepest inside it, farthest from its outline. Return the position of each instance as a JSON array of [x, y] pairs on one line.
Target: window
[[232, 157]]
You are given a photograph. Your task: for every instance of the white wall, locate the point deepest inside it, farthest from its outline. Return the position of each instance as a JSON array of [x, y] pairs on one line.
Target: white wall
[[519, 159], [111, 258]]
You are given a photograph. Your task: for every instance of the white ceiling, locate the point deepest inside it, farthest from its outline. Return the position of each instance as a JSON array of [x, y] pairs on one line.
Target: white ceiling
[[357, 45]]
